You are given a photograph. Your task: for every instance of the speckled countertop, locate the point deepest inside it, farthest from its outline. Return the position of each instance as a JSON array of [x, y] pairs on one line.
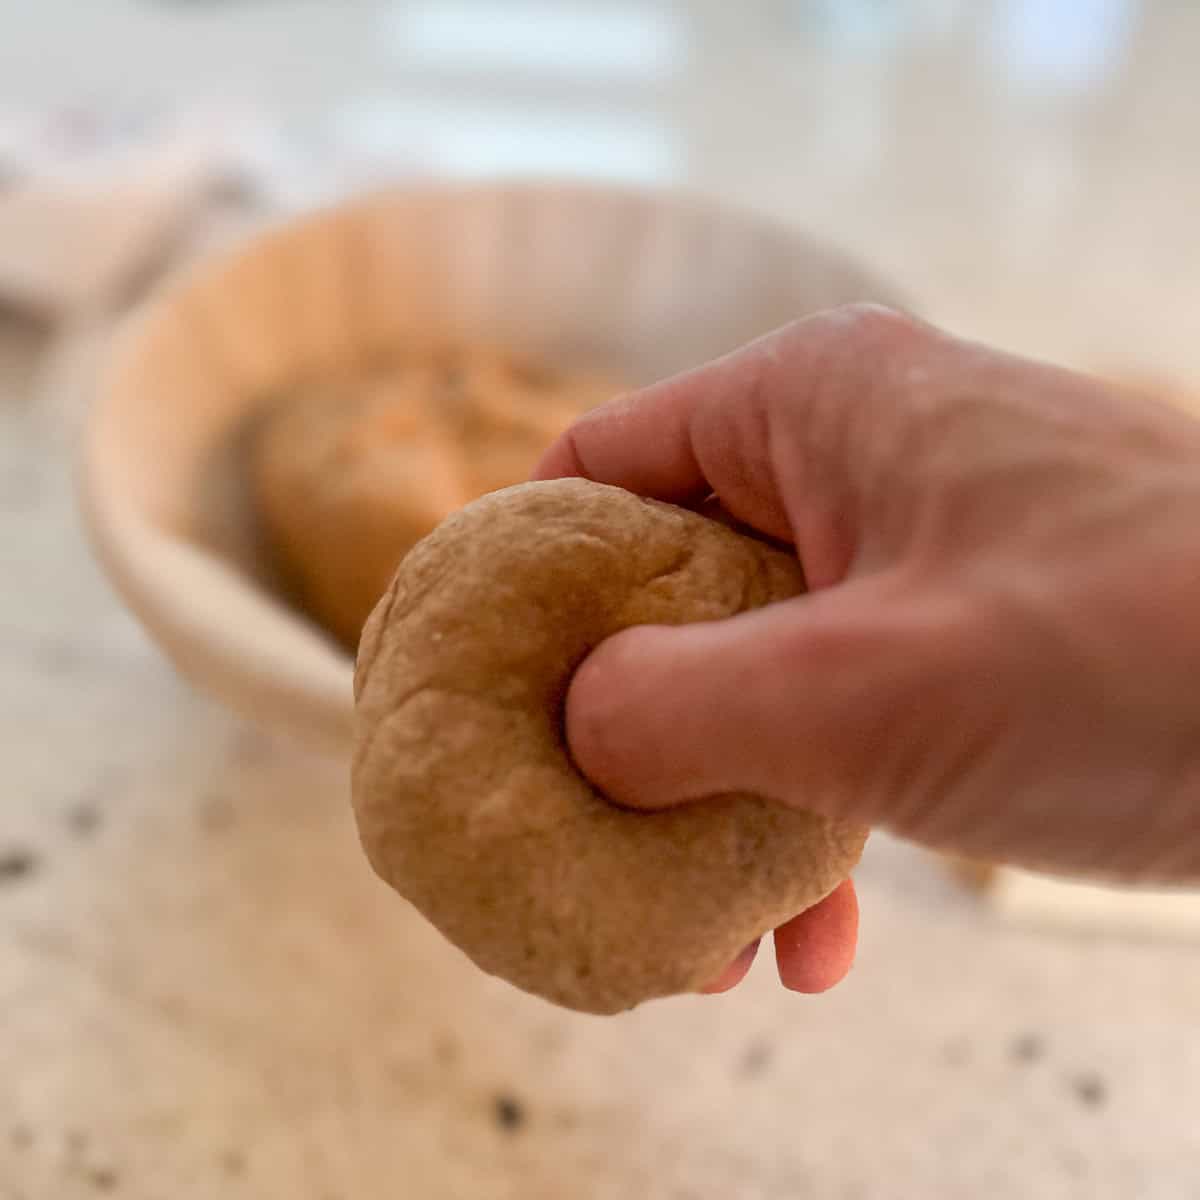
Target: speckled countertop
[[205, 992]]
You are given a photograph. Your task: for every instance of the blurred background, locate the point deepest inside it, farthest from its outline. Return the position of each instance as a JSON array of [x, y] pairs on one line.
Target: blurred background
[[204, 993]]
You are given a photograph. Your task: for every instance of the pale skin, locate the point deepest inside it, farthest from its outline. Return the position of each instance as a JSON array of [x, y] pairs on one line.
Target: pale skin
[[1000, 652]]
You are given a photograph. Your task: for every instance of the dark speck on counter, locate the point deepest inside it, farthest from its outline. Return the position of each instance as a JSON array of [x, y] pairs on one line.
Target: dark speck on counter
[[233, 1162], [756, 1059], [103, 1179], [17, 863], [1090, 1089], [508, 1112], [446, 1050], [84, 819], [216, 814], [1028, 1048]]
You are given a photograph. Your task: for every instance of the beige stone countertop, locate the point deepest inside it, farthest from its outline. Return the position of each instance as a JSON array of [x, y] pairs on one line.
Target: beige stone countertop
[[204, 991]]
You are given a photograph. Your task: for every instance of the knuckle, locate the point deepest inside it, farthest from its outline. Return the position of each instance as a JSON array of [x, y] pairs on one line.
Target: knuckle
[[864, 325]]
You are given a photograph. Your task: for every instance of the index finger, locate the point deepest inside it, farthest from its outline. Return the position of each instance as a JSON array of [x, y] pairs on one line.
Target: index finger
[[730, 427], [703, 432]]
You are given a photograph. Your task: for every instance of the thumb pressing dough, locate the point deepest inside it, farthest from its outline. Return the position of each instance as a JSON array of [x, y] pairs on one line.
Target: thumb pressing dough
[[467, 801]]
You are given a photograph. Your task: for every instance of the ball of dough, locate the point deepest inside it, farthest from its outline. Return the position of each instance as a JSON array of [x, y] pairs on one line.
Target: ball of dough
[[347, 476], [501, 413], [350, 471], [467, 801]]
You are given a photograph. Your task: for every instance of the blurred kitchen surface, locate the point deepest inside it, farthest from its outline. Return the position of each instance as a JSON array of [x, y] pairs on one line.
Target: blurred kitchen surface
[[204, 992]]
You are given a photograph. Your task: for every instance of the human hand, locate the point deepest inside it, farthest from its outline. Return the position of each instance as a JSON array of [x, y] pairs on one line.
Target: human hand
[[1000, 654]]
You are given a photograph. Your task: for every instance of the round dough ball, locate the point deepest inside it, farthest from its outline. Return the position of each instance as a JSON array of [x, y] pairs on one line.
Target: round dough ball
[[347, 476], [350, 471], [508, 451], [467, 801], [502, 414]]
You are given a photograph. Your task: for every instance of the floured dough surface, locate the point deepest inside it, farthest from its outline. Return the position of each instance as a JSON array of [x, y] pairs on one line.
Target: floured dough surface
[[467, 801], [350, 471]]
